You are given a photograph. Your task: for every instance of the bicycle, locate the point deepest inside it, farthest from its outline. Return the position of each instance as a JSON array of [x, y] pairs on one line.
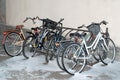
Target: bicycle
[[33, 44], [13, 39], [64, 43], [75, 56], [55, 38], [73, 38]]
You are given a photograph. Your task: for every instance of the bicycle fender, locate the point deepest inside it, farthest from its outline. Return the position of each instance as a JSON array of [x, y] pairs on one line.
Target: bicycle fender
[[7, 32]]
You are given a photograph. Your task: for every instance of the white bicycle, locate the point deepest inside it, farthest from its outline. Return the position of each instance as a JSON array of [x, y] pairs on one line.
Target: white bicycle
[[75, 55]]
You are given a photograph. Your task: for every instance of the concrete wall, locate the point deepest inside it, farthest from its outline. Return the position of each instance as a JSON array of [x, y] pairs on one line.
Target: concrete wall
[[2, 11], [75, 12]]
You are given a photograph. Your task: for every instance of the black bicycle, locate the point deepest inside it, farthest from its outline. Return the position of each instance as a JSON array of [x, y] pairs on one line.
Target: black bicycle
[[33, 43], [54, 43]]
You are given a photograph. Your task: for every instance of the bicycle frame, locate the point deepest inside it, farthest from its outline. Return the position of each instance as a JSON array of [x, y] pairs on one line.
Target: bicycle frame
[[92, 46], [46, 31], [40, 39]]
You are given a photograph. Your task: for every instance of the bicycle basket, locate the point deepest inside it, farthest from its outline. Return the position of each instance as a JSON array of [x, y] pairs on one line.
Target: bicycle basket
[[49, 23], [94, 28]]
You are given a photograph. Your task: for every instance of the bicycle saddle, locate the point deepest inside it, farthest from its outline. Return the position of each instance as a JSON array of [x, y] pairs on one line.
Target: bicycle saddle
[[35, 28]]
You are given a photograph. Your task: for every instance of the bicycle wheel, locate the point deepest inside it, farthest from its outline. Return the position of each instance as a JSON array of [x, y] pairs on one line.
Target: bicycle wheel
[[50, 50], [60, 52], [29, 47], [13, 44], [73, 59], [96, 54], [52, 47], [109, 55]]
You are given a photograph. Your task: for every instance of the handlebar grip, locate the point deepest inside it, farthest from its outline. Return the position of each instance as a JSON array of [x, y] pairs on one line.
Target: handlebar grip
[[81, 26], [104, 22], [25, 19], [30, 19], [33, 20], [38, 18], [61, 20], [35, 28]]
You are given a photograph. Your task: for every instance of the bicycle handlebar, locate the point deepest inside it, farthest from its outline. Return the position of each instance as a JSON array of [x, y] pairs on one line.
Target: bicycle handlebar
[[49, 19], [44, 20], [82, 26], [102, 22], [38, 18], [29, 18], [60, 20]]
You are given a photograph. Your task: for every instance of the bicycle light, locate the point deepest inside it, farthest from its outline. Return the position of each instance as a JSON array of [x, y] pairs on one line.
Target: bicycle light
[[57, 44], [5, 33]]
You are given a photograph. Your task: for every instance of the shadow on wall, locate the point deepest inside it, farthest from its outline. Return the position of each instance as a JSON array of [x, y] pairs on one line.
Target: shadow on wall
[[2, 11]]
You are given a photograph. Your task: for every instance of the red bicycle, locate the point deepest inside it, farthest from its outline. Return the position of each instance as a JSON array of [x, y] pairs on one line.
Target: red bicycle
[[13, 39]]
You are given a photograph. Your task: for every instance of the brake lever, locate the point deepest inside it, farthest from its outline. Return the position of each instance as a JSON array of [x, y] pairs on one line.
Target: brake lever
[[81, 26], [104, 22], [25, 20]]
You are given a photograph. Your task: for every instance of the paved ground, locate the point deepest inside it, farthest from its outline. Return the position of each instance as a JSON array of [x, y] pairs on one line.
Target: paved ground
[[43, 74], [35, 75]]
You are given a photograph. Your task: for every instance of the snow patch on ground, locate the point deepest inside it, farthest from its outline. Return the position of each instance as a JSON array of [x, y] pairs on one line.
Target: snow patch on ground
[[100, 72], [33, 64], [19, 68]]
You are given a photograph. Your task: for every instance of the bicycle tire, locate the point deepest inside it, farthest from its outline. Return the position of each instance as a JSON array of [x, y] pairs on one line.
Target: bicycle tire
[[96, 54], [49, 54], [60, 52], [13, 44], [108, 57], [76, 65], [52, 48], [29, 48]]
